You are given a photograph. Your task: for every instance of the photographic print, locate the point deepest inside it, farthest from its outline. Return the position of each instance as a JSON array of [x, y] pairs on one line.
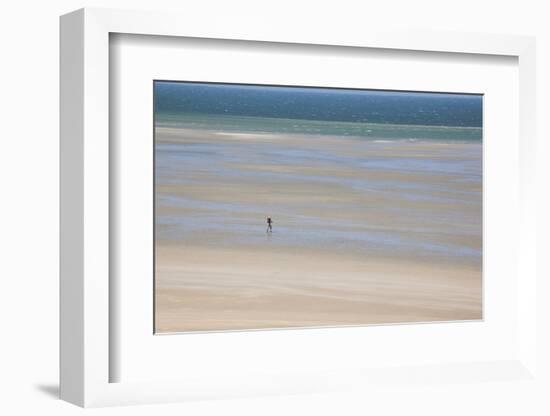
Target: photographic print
[[294, 207]]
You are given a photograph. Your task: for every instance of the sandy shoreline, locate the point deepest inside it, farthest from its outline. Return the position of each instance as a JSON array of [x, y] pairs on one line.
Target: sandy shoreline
[[211, 289]]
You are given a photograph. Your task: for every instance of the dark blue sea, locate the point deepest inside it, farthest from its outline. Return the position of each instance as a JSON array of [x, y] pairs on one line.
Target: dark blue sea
[[326, 111]]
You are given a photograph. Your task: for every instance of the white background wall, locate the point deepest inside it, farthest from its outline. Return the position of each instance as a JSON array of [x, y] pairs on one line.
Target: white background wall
[[29, 56]]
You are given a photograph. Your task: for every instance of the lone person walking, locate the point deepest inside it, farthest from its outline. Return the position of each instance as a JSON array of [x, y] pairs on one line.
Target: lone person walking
[[269, 227]]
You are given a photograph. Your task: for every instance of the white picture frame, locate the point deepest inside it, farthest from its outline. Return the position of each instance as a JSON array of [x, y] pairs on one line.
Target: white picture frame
[[85, 208]]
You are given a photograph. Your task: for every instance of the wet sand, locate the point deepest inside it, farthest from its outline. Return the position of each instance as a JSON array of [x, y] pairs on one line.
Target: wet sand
[[365, 232]]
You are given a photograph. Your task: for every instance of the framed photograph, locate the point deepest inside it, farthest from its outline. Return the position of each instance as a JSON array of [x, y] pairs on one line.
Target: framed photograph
[[270, 212]]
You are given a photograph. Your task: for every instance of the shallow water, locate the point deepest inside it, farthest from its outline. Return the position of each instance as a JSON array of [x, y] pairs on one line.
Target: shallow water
[[366, 196], [380, 132]]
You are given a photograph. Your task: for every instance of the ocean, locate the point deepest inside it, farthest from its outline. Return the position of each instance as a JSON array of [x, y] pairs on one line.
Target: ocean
[[362, 113]]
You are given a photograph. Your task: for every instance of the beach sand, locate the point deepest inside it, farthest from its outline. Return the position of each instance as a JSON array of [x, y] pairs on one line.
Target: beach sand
[[365, 232], [207, 289]]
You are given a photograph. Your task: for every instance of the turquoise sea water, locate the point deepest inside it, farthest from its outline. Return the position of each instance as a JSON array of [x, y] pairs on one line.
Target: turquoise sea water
[[368, 131]]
